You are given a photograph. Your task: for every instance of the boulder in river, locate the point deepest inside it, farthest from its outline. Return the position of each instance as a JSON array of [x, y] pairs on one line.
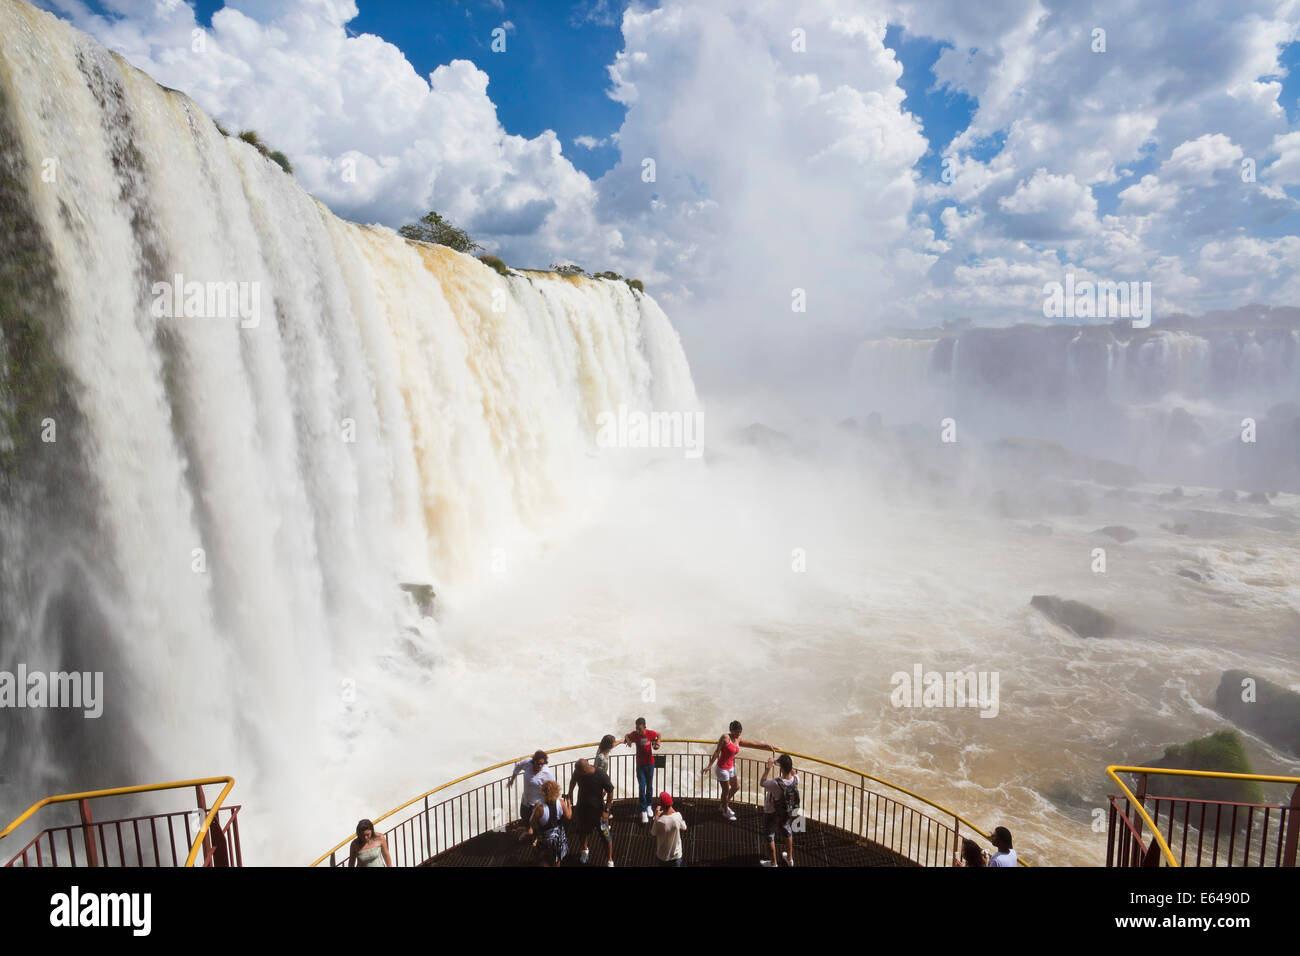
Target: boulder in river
[[1074, 616], [1117, 531], [1221, 753], [1262, 707]]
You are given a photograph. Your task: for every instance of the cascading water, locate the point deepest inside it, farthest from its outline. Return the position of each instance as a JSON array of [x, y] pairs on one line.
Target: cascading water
[[216, 510]]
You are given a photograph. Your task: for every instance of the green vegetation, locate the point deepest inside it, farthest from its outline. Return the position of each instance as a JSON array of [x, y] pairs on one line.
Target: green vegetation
[[1222, 753], [636, 285], [252, 139], [221, 129], [432, 228], [280, 160], [607, 275], [494, 263], [568, 269]]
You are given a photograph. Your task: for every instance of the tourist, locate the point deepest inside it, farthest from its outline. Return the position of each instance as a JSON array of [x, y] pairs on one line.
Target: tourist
[[645, 764], [971, 854], [780, 807], [724, 753], [595, 802], [535, 774], [369, 848], [547, 825], [667, 830], [602, 759], [1005, 856]]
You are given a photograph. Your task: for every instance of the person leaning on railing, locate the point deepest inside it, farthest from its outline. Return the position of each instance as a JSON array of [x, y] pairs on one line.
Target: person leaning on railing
[[724, 754]]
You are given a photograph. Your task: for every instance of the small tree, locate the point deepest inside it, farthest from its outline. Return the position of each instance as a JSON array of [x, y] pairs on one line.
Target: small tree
[[434, 229], [567, 268]]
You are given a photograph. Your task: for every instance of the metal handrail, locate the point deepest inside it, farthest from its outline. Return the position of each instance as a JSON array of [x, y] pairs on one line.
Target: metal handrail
[[669, 740], [1114, 772], [142, 788]]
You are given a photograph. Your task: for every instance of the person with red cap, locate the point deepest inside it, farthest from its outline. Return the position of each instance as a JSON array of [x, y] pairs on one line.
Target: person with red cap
[[667, 829]]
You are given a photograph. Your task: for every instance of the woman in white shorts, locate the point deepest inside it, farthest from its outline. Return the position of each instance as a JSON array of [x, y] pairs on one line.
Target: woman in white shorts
[[724, 754]]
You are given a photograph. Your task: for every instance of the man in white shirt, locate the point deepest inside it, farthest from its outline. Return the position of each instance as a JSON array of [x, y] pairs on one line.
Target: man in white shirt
[[535, 774], [667, 829], [1005, 856]]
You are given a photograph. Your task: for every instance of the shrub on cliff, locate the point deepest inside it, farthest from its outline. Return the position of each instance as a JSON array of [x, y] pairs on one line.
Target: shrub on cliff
[[252, 139], [568, 269], [494, 263], [432, 228], [636, 284]]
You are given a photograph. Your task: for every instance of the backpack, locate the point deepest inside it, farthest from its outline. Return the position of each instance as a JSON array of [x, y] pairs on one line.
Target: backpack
[[787, 800], [553, 840]]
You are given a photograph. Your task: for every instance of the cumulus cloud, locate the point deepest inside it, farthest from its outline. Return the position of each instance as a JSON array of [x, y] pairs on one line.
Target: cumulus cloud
[[753, 168]]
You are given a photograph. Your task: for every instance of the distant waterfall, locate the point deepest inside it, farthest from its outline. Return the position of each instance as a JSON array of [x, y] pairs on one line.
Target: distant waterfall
[[215, 505]]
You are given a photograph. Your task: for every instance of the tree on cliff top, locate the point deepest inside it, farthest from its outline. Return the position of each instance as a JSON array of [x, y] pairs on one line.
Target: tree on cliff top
[[434, 229]]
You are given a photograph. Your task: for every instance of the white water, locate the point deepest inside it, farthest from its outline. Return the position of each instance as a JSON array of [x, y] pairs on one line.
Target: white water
[[565, 579], [471, 400]]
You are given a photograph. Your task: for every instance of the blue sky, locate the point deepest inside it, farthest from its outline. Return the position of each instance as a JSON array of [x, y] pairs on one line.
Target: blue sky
[[1126, 166], [561, 80]]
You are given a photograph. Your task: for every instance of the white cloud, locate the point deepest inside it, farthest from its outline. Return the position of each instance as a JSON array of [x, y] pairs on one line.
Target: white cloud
[[777, 169]]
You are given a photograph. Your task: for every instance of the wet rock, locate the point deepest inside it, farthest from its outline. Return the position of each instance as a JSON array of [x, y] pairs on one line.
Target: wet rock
[[422, 595], [1273, 714], [1074, 616], [1227, 494], [1120, 533], [1222, 752], [1190, 574], [1174, 494]]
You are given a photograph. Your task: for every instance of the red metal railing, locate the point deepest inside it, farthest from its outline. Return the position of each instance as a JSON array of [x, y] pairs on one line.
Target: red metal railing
[[173, 838], [158, 839], [1203, 832], [431, 828]]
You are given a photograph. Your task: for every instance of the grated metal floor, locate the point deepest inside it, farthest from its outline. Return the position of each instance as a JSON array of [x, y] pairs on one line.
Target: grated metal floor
[[710, 840]]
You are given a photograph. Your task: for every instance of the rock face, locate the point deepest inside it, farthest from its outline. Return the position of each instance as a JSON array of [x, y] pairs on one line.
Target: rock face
[[422, 595], [1274, 714], [1120, 533], [1074, 616], [1221, 752]]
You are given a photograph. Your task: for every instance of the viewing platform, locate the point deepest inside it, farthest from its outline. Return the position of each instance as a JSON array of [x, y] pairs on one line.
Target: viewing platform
[[850, 818]]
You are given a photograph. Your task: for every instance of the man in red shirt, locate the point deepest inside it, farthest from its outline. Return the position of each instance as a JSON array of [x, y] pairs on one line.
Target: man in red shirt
[[645, 763]]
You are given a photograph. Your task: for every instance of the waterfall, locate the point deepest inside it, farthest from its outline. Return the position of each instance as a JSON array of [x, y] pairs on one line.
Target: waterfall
[[215, 507]]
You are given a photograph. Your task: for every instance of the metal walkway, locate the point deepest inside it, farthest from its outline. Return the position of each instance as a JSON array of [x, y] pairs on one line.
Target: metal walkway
[[709, 840]]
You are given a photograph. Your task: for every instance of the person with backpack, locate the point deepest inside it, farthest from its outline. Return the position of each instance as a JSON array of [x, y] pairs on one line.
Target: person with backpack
[[547, 825], [780, 807]]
